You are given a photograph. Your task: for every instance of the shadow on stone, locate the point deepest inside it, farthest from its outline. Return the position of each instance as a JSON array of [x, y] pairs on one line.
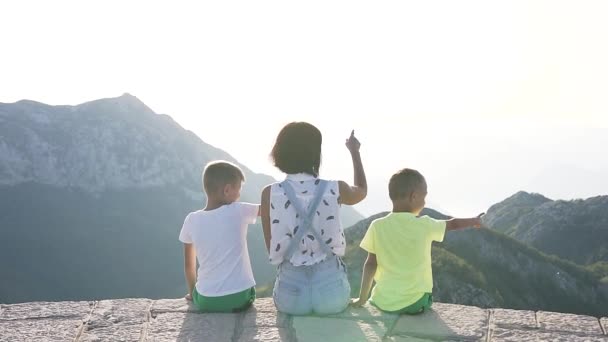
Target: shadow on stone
[[201, 326], [444, 322], [263, 323]]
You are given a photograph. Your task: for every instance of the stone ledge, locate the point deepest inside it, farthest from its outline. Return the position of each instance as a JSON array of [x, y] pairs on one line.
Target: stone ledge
[[177, 320], [569, 323]]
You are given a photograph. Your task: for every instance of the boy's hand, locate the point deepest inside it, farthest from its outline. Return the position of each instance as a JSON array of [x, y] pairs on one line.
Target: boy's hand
[[357, 302], [477, 221], [188, 297], [352, 143]]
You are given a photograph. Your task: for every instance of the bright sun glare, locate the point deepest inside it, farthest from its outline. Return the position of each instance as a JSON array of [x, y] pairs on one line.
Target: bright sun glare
[[485, 98]]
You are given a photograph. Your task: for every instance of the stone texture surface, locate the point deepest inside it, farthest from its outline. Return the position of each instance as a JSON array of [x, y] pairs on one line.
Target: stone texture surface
[[121, 319], [177, 320], [604, 322], [48, 329], [517, 319], [264, 314], [555, 321], [177, 326], [445, 321], [332, 329], [46, 310], [406, 339], [265, 334], [506, 335], [172, 305], [366, 312]]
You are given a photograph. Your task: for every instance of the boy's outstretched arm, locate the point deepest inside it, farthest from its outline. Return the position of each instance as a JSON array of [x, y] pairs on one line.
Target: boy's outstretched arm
[[265, 214], [369, 271], [190, 268], [459, 223]]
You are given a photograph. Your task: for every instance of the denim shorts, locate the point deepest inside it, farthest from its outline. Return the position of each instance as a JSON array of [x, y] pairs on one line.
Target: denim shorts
[[321, 289]]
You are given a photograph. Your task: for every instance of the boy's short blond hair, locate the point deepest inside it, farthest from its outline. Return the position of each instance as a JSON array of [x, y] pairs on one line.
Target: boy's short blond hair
[[403, 183], [219, 173]]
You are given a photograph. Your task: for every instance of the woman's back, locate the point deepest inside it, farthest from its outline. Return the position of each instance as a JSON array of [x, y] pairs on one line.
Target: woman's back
[[285, 221]]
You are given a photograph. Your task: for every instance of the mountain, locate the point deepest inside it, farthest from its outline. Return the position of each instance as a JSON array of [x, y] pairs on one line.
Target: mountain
[[92, 198], [489, 269], [573, 230]]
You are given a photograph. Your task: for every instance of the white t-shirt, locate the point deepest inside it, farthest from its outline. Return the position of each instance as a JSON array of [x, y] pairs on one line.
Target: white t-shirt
[[220, 239], [284, 222]]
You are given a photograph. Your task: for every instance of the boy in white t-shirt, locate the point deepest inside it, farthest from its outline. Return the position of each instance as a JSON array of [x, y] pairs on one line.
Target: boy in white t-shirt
[[217, 237]]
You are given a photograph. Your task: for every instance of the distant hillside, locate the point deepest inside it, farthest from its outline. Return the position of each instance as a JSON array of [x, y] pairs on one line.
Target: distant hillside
[[92, 198], [573, 230], [488, 269]]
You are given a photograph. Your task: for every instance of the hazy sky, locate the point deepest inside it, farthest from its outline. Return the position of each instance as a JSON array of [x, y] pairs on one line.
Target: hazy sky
[[485, 98]]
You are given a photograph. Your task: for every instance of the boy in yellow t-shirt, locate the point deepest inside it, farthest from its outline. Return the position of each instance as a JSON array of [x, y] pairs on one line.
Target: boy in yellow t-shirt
[[399, 249]]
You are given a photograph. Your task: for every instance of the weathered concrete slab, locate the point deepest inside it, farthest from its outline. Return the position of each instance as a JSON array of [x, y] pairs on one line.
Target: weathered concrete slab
[[366, 312], [264, 314], [172, 326], [555, 321], [254, 318], [119, 320], [506, 318], [331, 329], [444, 322], [46, 310], [128, 333], [265, 334], [177, 320], [172, 305], [46, 329], [407, 339], [512, 335], [264, 305]]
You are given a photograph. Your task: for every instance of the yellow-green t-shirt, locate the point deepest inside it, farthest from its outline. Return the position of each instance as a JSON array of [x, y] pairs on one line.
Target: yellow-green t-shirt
[[402, 245]]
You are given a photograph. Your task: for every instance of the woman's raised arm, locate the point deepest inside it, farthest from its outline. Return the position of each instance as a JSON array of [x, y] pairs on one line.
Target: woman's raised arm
[[351, 195]]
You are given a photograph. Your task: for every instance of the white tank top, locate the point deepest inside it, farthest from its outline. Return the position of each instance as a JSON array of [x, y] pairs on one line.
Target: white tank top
[[326, 222]]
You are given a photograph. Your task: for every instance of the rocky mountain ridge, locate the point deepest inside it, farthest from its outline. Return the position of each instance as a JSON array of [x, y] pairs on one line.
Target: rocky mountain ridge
[[575, 230]]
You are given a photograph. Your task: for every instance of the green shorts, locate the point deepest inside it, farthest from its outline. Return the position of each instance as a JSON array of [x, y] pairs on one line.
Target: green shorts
[[424, 303], [235, 302]]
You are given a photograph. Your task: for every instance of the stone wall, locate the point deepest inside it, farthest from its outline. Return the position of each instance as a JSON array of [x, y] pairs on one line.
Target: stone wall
[[176, 320]]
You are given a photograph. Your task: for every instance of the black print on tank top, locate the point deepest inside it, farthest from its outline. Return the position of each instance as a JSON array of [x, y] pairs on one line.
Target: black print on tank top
[[295, 230], [317, 182], [276, 221], [272, 206], [329, 241], [332, 191], [329, 218], [318, 213], [278, 247], [305, 192], [289, 234], [311, 237], [322, 231], [325, 202], [304, 251], [287, 204]]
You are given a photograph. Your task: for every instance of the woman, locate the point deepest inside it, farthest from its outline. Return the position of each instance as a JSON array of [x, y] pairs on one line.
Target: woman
[[301, 220]]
